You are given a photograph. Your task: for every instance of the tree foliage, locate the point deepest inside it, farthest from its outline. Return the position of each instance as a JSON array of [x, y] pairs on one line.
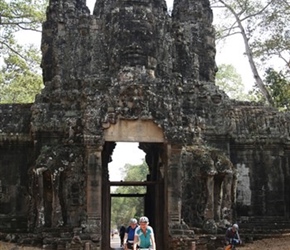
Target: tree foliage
[[279, 87], [260, 24], [124, 208], [20, 77], [272, 40], [17, 15], [20, 80], [228, 79]]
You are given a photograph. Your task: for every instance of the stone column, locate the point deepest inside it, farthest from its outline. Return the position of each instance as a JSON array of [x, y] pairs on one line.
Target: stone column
[[57, 217], [39, 202], [226, 207], [94, 192], [217, 198], [174, 184], [209, 208]]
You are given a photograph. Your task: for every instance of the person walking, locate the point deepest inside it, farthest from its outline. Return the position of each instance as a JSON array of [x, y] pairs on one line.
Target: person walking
[[122, 235], [144, 235], [129, 234]]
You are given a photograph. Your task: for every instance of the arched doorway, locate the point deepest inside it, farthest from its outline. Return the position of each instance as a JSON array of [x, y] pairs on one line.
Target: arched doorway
[[151, 141]]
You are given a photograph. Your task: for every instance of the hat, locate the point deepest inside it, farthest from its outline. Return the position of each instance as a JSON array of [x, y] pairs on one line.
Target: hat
[[143, 219], [236, 226]]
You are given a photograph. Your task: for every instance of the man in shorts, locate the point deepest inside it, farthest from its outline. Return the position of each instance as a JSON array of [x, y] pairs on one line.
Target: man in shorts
[[129, 234]]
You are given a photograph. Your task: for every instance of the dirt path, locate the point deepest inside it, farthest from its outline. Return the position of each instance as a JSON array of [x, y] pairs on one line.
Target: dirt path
[[10, 246], [265, 244], [269, 244]]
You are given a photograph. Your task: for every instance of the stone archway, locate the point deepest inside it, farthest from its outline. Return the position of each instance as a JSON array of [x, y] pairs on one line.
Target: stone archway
[[151, 140]]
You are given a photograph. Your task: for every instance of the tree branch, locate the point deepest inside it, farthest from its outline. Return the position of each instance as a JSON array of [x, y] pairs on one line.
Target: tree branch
[[24, 28], [13, 50], [249, 54], [230, 34]]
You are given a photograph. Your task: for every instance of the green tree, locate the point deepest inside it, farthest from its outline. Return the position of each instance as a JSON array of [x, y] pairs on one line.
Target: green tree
[[124, 208], [272, 39], [252, 19], [135, 172], [19, 15], [279, 87], [20, 76], [20, 80], [228, 79]]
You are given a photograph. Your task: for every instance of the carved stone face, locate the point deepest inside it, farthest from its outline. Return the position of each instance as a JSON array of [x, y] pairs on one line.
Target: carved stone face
[[132, 34]]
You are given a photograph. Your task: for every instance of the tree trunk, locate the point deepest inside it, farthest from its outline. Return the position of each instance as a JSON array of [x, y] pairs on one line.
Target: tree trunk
[[258, 80]]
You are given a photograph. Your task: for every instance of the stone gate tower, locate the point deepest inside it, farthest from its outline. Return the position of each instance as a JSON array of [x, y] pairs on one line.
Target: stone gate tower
[[126, 73], [130, 72]]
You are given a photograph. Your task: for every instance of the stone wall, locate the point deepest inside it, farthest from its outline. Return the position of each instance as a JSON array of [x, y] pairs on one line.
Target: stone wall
[[132, 66], [16, 156]]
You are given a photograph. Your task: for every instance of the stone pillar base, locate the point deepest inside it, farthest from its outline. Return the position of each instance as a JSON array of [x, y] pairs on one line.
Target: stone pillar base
[[181, 237]]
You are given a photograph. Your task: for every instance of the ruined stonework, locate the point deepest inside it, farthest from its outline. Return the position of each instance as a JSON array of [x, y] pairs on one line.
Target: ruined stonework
[[132, 72]]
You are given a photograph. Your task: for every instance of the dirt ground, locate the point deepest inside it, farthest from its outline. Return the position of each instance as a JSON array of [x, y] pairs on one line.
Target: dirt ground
[[10, 246], [265, 244], [269, 244]]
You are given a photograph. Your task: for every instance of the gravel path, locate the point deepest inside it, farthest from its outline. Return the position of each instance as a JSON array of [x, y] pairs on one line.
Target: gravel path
[[265, 244]]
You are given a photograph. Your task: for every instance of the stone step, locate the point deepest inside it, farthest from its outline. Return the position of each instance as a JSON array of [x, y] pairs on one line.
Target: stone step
[[262, 219], [269, 224], [265, 226], [13, 222]]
